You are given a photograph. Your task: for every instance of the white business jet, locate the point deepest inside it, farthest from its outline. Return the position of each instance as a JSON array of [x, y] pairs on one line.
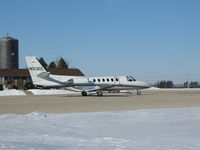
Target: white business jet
[[85, 85]]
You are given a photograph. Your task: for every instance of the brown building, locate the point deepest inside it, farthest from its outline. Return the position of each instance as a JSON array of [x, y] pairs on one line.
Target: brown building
[[20, 78]]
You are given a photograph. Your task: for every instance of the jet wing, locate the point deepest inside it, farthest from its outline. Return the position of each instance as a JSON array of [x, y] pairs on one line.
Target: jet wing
[[73, 89], [89, 88], [101, 87]]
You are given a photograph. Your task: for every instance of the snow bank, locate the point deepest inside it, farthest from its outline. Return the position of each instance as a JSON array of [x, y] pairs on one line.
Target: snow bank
[[51, 92], [11, 92], [159, 129], [155, 88]]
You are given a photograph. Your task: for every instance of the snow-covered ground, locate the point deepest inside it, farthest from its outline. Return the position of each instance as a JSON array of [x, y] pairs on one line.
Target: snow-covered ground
[[11, 92], [155, 88], [51, 92], [158, 129], [14, 92]]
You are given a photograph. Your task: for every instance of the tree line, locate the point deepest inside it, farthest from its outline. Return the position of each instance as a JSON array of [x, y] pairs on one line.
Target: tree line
[[164, 84], [61, 63], [193, 84], [170, 84]]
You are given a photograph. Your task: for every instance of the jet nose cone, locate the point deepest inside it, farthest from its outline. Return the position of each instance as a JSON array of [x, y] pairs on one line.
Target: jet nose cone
[[148, 85]]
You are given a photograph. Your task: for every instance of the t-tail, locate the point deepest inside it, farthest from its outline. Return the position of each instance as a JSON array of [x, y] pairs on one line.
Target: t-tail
[[36, 70]]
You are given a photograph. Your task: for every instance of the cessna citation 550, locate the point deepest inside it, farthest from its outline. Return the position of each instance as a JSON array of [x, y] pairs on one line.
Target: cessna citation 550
[[85, 85]]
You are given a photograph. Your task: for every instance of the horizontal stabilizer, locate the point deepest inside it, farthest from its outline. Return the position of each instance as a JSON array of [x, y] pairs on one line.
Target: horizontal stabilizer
[[44, 75]]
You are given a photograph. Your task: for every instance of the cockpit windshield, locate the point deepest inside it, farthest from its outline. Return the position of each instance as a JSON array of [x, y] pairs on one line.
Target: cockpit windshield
[[130, 79]]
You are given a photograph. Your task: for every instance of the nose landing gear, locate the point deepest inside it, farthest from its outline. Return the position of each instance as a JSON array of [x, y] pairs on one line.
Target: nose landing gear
[[139, 92]]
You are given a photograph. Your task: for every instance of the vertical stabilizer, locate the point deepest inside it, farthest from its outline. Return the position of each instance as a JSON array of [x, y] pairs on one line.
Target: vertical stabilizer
[[35, 68]]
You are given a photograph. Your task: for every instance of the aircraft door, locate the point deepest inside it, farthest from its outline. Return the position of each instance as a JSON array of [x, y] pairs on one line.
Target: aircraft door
[[117, 80]]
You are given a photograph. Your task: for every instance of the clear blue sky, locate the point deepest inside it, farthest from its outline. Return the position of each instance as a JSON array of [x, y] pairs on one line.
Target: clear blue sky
[[149, 39]]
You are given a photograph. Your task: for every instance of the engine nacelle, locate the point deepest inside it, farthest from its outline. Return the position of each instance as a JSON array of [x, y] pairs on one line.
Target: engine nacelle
[[82, 81]]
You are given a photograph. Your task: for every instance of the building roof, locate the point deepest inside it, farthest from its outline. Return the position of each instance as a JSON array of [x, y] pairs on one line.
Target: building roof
[[8, 38], [25, 72]]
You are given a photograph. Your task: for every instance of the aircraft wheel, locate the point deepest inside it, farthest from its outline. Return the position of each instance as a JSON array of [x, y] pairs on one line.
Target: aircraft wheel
[[84, 93], [139, 92], [100, 93]]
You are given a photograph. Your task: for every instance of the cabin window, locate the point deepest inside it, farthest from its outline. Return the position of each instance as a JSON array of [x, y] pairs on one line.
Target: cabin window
[[117, 79], [99, 80], [103, 80], [94, 80], [108, 80], [112, 80]]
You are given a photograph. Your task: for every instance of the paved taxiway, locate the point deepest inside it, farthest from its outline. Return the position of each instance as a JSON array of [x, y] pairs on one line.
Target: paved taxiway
[[109, 102]]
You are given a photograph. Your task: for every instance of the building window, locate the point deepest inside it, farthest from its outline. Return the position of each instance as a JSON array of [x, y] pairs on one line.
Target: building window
[[29, 80], [10, 80]]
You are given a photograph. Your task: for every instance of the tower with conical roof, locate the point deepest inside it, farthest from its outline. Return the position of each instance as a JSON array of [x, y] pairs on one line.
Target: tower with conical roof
[[9, 55]]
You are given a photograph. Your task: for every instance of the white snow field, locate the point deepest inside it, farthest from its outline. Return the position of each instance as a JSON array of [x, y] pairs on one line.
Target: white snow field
[[157, 129], [11, 92], [52, 92]]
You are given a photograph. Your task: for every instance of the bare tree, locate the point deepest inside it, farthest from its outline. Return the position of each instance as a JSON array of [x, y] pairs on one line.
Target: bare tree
[[62, 64], [52, 65], [43, 63]]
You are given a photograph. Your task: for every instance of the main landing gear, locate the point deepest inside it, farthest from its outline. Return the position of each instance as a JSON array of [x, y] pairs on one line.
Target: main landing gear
[[84, 93], [99, 93], [139, 92]]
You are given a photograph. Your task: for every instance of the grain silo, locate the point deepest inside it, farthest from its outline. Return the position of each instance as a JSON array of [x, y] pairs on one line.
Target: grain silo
[[9, 55]]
